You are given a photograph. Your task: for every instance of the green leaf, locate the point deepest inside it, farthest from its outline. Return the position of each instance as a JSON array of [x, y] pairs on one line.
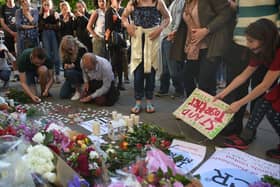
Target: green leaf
[[49, 138]]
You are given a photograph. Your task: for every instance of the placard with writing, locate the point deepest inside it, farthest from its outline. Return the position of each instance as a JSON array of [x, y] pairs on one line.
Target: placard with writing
[[206, 116], [233, 168]]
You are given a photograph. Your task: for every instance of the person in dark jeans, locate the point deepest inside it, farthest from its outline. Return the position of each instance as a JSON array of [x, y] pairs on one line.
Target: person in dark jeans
[[71, 52], [113, 24], [171, 69], [263, 40]]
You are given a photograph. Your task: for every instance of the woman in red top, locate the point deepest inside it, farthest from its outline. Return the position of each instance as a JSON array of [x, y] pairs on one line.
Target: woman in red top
[[264, 42]]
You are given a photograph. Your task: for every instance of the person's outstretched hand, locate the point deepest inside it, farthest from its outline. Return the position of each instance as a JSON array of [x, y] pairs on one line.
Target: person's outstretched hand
[[86, 99]]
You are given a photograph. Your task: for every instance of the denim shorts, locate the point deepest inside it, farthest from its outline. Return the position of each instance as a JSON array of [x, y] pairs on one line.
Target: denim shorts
[[31, 77]]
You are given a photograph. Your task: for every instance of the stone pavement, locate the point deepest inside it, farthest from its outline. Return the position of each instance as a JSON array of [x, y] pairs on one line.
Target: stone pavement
[[266, 137]]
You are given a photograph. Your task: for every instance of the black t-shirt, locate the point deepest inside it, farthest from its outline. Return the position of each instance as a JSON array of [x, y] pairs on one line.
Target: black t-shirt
[[8, 14], [48, 23], [25, 65]]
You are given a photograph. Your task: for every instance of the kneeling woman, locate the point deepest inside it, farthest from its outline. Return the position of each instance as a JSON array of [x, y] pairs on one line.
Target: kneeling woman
[[71, 52]]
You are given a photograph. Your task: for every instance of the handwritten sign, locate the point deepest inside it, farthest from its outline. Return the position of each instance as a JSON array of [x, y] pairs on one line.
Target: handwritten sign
[[233, 168], [192, 154], [206, 116]]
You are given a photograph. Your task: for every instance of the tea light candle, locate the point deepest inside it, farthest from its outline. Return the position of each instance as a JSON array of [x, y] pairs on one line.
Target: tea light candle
[[96, 128], [132, 116], [136, 120], [114, 115], [119, 116], [129, 122], [125, 118]]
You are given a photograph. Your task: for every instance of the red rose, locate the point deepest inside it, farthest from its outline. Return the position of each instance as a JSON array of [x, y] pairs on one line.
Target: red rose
[[139, 146], [82, 165], [166, 143], [54, 149], [153, 139], [11, 131], [98, 172]]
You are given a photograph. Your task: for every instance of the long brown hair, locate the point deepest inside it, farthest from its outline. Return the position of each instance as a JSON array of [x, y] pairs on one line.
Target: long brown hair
[[69, 48], [267, 33]]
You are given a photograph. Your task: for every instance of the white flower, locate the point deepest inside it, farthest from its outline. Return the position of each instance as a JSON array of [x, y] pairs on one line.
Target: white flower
[[38, 138], [93, 155], [95, 165], [39, 160], [40, 151], [50, 176]]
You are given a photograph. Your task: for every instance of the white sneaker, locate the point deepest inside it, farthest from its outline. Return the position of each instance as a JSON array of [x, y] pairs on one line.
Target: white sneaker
[[76, 96]]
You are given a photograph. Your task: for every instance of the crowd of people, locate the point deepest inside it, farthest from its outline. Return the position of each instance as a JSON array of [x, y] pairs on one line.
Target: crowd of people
[[184, 41]]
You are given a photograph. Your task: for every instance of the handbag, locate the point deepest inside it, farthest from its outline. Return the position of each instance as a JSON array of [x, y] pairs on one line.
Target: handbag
[[117, 39]]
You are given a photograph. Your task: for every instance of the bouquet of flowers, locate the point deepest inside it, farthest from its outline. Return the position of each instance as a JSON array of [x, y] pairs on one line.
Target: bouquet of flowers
[[136, 143], [159, 170], [83, 158], [40, 159]]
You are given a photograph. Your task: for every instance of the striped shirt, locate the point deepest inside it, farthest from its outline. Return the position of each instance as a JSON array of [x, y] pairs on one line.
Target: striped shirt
[[250, 11]]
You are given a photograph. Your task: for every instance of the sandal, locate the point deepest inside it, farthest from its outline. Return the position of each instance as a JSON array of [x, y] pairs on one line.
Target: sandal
[[237, 142], [136, 109], [150, 108]]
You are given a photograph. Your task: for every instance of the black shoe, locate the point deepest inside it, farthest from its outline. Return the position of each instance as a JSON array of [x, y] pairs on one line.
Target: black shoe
[[6, 85], [121, 87], [161, 94]]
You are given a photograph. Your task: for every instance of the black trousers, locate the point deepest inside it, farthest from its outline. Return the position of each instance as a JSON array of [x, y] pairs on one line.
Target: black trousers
[[109, 98]]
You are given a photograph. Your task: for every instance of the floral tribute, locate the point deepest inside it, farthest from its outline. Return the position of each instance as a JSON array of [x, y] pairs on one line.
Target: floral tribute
[[76, 150], [83, 157], [136, 143]]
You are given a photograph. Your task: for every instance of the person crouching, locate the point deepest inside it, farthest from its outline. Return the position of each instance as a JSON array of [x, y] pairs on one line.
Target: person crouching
[[99, 85]]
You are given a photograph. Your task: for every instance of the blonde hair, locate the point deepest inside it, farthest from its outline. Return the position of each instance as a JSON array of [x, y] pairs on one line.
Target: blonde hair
[[65, 3], [50, 6], [69, 48]]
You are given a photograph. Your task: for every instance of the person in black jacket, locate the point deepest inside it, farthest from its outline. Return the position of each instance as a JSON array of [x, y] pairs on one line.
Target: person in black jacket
[[113, 24], [80, 24], [71, 51]]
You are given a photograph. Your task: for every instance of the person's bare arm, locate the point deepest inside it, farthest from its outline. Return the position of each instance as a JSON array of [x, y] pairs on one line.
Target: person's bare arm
[[269, 79], [130, 27], [91, 22], [166, 20]]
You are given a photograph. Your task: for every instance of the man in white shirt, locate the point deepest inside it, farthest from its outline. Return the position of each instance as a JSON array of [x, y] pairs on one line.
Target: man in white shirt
[[98, 80]]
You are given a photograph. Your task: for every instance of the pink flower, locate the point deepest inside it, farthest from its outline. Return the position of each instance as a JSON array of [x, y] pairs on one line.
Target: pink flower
[[177, 184]]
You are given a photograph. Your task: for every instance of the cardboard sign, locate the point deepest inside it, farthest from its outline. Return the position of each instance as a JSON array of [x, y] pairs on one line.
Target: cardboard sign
[[206, 116], [233, 168], [193, 154]]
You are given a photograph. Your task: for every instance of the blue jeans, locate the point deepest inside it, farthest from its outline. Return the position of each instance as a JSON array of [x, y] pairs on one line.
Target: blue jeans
[[5, 75], [140, 79], [50, 44], [170, 69], [73, 78]]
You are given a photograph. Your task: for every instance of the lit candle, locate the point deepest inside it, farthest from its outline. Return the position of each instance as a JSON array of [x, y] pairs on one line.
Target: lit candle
[[96, 128], [114, 115], [136, 120], [125, 118], [129, 122]]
